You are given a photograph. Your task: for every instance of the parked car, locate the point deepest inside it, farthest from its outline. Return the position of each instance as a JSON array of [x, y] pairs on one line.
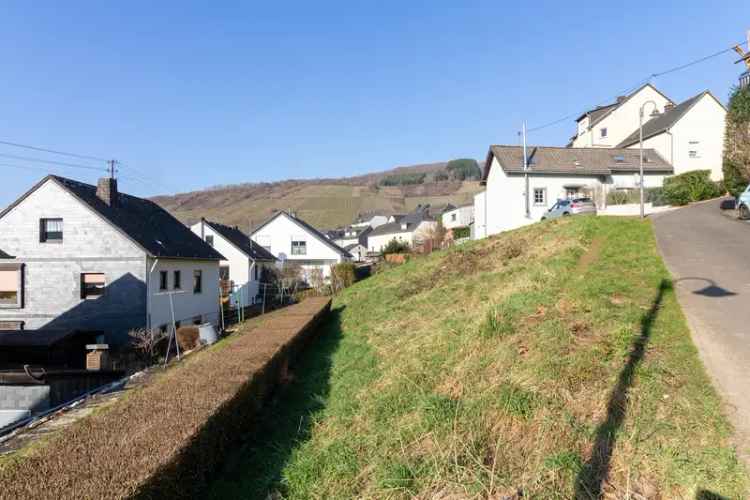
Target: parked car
[[574, 206], [743, 204]]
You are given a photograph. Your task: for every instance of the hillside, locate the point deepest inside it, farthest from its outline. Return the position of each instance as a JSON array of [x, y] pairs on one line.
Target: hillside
[[324, 203], [552, 361]]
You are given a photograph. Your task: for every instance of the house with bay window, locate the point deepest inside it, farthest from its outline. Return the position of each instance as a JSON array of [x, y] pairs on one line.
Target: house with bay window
[[81, 257], [245, 261], [293, 241]]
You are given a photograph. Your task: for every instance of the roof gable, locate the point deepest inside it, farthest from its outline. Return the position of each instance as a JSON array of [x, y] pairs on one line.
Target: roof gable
[[241, 241], [666, 120], [600, 113], [308, 228], [142, 221]]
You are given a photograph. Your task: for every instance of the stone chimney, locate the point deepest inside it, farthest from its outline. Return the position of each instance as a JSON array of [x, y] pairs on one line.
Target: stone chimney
[[668, 107], [106, 190], [621, 99]]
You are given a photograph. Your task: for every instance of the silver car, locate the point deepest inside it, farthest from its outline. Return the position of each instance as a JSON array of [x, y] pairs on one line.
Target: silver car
[[573, 206]]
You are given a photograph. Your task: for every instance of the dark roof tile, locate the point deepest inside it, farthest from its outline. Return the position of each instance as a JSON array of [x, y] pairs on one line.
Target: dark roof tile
[[241, 241]]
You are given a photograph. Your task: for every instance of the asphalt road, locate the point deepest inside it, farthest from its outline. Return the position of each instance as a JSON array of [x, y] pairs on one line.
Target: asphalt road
[[707, 254]]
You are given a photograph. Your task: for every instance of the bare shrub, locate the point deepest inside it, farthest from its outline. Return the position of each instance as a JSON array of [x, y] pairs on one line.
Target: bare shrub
[[147, 342]]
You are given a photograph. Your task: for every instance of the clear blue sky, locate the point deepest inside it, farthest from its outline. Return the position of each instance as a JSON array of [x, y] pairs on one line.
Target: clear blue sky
[[206, 93]]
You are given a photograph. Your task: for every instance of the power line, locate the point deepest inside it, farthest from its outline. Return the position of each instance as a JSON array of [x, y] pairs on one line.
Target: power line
[[53, 151], [643, 82], [51, 162]]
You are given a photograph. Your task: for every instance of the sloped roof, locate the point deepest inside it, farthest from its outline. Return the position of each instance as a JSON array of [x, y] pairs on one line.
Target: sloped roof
[[412, 220], [4, 255], [151, 227], [599, 113], [241, 241], [304, 225], [664, 121], [574, 161]]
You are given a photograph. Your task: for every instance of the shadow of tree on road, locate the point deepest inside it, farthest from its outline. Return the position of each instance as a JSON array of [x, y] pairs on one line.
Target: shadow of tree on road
[[590, 480]]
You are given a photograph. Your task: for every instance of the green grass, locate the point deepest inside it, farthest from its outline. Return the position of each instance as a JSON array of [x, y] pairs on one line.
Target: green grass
[[565, 371]]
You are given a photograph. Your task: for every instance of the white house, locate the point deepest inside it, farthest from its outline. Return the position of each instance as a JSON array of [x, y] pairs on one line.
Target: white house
[[458, 216], [689, 135], [370, 220], [607, 126], [412, 229], [90, 258], [555, 173], [242, 269], [292, 240], [352, 235], [358, 251]]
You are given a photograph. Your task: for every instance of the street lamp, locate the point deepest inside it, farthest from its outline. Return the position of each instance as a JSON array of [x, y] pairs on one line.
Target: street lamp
[[654, 113]]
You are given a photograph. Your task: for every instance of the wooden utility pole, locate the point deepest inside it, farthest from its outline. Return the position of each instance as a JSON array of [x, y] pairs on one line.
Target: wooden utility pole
[[111, 164]]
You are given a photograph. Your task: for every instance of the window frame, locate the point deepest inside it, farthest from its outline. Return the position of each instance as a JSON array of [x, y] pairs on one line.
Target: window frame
[[603, 132], [163, 281], [177, 279], [300, 248], [543, 191], [44, 234], [19, 269], [84, 293], [197, 281]]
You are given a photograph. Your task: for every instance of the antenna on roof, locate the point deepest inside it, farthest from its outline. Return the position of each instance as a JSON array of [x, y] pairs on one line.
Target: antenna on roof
[[112, 170]]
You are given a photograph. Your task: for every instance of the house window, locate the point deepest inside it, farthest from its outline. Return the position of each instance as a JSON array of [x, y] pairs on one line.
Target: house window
[[255, 272], [540, 196], [210, 239], [177, 284], [197, 281], [453, 217], [299, 248], [92, 285], [603, 132], [163, 280], [11, 286], [50, 230]]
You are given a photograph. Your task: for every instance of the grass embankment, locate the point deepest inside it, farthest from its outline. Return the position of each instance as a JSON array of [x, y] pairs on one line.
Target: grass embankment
[[553, 360]]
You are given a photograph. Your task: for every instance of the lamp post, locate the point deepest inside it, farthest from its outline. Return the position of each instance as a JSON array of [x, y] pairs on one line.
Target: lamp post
[[640, 132]]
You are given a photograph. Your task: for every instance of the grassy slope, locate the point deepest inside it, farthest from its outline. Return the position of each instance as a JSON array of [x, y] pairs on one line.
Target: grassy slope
[[565, 370]]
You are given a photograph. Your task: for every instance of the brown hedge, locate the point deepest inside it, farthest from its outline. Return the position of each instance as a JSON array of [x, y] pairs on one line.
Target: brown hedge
[[166, 439]]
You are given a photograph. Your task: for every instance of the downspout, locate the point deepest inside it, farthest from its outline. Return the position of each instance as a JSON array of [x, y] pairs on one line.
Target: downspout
[[148, 291], [526, 172]]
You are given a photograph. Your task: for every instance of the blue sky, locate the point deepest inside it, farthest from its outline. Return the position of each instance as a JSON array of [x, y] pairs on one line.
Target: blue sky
[[199, 94]]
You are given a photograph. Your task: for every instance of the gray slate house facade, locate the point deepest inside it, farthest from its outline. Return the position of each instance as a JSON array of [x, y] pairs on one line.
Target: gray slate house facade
[[90, 258]]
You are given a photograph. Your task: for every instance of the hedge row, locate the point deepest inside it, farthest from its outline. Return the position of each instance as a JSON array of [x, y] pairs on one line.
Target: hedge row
[[692, 186], [167, 439]]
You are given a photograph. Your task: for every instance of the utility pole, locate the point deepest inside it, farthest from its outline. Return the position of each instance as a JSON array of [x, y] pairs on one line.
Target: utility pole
[[525, 172], [111, 164]]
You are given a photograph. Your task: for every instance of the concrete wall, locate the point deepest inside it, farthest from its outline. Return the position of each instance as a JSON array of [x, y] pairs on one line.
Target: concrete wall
[[480, 226], [52, 271], [187, 305], [622, 121]]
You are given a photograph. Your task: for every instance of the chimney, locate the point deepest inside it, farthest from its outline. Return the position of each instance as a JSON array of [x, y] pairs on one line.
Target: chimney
[[106, 190], [621, 99], [668, 107]]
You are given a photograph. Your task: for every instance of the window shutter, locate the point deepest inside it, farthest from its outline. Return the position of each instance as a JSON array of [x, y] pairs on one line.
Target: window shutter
[[83, 286], [41, 230]]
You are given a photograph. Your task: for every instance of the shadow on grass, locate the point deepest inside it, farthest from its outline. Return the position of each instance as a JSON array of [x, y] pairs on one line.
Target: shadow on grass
[[590, 480], [708, 495], [256, 466]]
